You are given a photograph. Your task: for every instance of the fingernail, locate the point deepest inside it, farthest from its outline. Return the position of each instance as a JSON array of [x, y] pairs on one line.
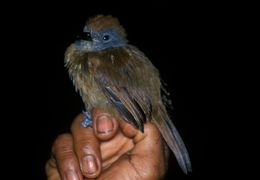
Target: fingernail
[[89, 164], [71, 175], [104, 124]]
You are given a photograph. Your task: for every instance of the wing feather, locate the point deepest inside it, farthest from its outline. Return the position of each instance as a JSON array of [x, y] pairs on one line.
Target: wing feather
[[126, 106], [173, 139]]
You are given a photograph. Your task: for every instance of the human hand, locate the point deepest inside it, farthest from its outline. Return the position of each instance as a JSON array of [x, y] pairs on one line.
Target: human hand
[[112, 149]]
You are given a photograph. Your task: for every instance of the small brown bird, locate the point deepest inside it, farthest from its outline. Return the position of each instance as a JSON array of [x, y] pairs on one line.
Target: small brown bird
[[116, 77]]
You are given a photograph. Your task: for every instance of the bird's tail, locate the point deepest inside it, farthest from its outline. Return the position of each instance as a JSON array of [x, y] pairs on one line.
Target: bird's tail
[[173, 139]]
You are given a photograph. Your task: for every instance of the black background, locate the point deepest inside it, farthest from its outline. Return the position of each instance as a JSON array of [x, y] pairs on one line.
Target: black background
[[180, 39]]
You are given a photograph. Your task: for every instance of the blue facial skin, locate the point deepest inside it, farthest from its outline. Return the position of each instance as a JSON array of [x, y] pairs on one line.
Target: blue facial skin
[[101, 40]]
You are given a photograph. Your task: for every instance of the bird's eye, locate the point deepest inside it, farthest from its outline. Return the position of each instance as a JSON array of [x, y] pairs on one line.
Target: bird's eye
[[106, 37]]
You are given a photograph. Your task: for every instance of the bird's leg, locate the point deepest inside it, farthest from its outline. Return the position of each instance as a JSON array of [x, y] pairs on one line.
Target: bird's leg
[[87, 121]]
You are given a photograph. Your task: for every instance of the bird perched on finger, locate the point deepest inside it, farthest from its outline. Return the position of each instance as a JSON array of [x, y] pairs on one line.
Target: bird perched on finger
[[116, 77]]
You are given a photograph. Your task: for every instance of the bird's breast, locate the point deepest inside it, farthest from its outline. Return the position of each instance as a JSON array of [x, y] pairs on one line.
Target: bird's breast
[[119, 67]]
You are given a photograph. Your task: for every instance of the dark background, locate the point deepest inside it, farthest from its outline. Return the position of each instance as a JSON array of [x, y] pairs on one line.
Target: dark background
[[180, 39]]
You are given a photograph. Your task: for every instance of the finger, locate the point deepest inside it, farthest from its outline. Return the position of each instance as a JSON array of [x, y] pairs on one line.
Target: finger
[[87, 148], [145, 161], [128, 129], [113, 149], [105, 126], [66, 161], [51, 170], [149, 152]]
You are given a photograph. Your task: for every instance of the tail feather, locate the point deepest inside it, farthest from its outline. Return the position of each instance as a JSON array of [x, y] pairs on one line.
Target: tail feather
[[174, 141]]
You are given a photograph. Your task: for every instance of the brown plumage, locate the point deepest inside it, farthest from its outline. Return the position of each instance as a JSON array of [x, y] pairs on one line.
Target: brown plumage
[[119, 79]]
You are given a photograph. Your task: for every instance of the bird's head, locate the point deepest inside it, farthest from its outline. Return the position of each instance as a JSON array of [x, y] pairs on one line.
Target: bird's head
[[100, 33]]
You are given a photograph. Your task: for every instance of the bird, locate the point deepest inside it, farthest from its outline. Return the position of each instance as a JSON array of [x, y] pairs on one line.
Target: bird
[[111, 74]]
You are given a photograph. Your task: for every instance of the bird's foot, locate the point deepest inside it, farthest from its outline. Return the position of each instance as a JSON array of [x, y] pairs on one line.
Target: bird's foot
[[87, 121]]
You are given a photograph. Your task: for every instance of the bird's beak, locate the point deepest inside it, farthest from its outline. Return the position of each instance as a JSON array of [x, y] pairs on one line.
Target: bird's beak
[[95, 40], [84, 36]]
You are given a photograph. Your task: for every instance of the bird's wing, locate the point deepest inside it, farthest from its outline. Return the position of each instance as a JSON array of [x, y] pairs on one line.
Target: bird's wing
[[132, 111], [127, 106], [173, 139]]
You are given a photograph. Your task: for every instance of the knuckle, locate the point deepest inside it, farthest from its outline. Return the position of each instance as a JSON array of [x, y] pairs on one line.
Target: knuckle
[[85, 146], [151, 129], [151, 174], [62, 138], [62, 144]]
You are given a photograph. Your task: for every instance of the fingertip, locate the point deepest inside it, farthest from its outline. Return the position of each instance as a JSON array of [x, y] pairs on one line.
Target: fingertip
[[105, 126], [91, 166], [151, 134], [128, 129], [151, 130]]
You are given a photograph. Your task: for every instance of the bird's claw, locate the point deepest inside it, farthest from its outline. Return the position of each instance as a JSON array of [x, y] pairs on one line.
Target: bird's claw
[[87, 121]]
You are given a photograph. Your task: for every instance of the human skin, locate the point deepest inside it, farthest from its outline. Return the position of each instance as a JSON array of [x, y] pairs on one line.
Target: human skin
[[112, 149]]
